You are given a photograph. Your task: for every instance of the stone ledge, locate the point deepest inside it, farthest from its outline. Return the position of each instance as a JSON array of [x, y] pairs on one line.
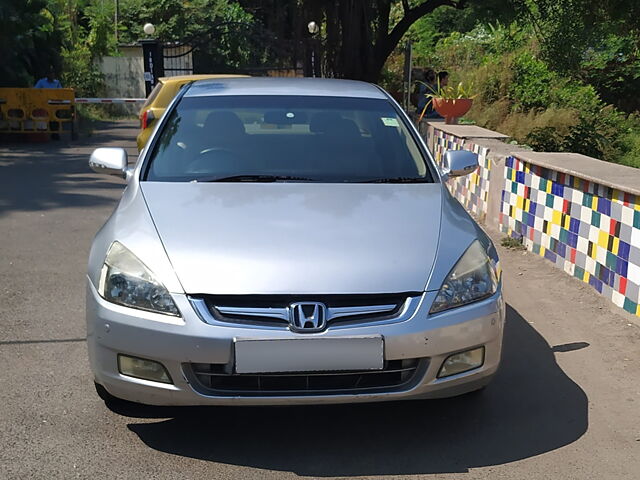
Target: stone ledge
[[609, 174], [466, 131]]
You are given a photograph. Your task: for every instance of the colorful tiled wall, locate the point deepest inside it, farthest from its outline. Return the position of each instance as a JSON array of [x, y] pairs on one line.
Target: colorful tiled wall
[[591, 231], [472, 191]]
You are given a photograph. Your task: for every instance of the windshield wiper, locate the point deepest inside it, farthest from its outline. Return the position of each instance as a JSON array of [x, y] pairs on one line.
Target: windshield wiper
[[253, 178], [396, 180]]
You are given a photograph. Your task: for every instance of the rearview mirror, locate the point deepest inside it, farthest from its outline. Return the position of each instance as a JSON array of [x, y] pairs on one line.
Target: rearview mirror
[[110, 161], [459, 162]]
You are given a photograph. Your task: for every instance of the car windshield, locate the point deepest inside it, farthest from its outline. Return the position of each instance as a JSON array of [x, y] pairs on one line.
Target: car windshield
[[286, 138]]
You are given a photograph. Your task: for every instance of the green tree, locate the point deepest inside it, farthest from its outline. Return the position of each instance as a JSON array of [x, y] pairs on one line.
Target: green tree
[[29, 42], [357, 36]]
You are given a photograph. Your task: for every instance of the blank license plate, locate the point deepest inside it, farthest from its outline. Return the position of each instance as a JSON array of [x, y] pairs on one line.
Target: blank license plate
[[309, 354]]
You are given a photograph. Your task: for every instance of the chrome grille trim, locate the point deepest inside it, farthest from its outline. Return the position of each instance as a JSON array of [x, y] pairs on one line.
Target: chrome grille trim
[[280, 313], [275, 318]]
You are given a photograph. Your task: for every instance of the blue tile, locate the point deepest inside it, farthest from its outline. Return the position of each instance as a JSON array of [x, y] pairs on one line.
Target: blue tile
[[604, 206], [572, 240], [520, 177], [623, 250], [574, 225], [595, 283], [622, 267], [561, 250], [549, 255], [531, 220]]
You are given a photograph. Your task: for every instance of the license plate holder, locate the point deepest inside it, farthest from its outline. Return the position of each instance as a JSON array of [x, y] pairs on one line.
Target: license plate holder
[[309, 354]]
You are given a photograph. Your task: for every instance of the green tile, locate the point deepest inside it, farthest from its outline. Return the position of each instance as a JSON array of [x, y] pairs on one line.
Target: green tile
[[564, 234], [536, 249], [578, 272], [611, 260], [630, 306], [587, 200], [514, 187], [595, 219], [543, 184], [636, 219], [549, 200]]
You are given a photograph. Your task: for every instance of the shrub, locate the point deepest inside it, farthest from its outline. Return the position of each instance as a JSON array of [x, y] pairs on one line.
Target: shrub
[[532, 82]]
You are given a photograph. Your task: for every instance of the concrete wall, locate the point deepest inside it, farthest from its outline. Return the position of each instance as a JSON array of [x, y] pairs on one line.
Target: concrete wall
[[578, 212], [124, 78]]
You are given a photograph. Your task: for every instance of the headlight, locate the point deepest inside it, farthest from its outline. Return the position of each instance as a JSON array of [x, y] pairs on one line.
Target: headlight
[[125, 280], [472, 279]]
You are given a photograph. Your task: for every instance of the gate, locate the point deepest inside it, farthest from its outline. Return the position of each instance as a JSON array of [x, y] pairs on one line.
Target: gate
[[177, 59]]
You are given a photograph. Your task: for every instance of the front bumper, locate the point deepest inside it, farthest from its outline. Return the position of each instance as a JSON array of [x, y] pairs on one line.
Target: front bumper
[[175, 342]]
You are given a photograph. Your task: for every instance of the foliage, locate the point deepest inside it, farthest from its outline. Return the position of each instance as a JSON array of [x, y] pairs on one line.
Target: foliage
[[591, 40], [28, 42], [357, 37], [519, 93], [531, 83]]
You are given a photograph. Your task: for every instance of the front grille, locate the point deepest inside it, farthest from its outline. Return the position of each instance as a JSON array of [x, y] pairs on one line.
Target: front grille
[[214, 379], [272, 310]]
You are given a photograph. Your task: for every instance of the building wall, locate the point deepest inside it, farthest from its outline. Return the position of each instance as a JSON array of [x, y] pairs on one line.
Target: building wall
[[123, 78]]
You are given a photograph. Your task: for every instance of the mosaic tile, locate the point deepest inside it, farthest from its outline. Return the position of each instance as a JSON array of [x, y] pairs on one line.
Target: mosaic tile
[[590, 231], [472, 190]]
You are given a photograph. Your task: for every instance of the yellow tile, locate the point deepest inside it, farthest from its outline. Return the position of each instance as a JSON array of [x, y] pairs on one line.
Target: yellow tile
[[594, 203], [616, 245], [556, 219], [594, 251], [542, 250], [488, 164], [549, 183], [567, 221], [603, 239], [527, 204], [585, 277], [520, 202]]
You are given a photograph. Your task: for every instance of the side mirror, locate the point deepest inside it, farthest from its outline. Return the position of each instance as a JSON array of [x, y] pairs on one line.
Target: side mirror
[[459, 162], [110, 161]]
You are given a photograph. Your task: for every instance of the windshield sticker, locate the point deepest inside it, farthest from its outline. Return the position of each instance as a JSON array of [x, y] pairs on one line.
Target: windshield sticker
[[390, 122]]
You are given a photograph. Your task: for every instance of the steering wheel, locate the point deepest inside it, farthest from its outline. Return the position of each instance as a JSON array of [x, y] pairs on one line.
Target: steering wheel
[[213, 159]]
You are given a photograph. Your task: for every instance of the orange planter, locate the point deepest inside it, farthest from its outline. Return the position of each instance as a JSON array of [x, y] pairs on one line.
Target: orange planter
[[452, 109]]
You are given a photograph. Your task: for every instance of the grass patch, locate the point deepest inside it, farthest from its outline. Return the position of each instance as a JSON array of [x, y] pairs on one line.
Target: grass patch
[[512, 243]]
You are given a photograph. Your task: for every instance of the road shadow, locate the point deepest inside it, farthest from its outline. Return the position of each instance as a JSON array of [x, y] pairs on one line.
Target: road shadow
[[37, 177], [531, 408]]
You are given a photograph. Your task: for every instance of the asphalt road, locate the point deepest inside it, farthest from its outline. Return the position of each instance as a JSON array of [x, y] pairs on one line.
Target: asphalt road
[[565, 405]]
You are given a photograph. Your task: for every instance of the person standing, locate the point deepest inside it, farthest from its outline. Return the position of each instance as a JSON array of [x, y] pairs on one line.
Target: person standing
[[50, 81]]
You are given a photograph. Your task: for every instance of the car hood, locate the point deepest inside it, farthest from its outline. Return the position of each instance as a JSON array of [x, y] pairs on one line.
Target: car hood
[[297, 238]]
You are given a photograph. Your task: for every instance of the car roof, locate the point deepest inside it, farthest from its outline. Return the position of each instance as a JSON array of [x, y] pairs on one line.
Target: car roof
[[325, 87], [203, 76]]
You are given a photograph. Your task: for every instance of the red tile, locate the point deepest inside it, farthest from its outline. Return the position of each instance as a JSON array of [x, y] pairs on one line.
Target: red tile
[[623, 285]]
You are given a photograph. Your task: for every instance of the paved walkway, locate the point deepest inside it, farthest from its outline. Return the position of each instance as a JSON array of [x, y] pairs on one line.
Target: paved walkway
[[565, 405]]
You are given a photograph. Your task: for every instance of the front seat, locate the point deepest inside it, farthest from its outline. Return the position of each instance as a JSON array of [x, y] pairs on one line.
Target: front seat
[[221, 145]]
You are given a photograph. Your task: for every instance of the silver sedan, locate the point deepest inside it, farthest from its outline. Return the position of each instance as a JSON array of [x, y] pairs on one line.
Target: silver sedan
[[289, 241]]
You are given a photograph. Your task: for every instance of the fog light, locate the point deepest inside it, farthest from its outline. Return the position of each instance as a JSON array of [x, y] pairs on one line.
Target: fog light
[[462, 362], [144, 369]]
